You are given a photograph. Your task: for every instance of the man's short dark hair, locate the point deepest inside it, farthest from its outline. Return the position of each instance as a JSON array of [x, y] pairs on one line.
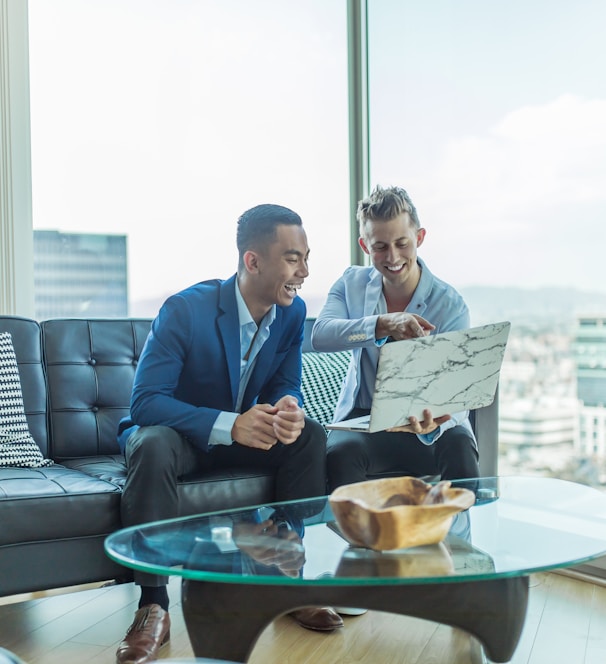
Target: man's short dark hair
[[385, 205], [257, 227]]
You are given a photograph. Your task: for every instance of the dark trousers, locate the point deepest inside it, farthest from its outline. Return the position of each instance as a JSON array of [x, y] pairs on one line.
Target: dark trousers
[[157, 456], [356, 457]]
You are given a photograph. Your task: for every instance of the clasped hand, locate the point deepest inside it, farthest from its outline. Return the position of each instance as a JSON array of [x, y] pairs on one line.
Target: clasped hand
[[264, 425]]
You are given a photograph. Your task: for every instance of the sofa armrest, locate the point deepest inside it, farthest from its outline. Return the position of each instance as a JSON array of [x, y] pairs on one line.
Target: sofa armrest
[[485, 423]]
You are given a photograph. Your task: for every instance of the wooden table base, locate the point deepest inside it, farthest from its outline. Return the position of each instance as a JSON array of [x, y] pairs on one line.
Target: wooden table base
[[224, 620]]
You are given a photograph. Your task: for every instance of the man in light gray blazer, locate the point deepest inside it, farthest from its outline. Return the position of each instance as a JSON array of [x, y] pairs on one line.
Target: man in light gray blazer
[[396, 298]]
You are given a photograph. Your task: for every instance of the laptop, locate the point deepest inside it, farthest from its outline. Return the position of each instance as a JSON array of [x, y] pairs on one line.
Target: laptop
[[446, 373]]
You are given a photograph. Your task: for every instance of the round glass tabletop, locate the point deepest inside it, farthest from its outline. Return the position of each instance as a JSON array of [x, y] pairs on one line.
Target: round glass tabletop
[[518, 525]]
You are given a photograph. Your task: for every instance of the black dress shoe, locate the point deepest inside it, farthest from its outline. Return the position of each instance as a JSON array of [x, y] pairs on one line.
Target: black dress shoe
[[320, 619], [148, 633]]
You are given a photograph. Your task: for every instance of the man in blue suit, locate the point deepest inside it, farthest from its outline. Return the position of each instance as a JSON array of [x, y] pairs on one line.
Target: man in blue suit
[[218, 385]]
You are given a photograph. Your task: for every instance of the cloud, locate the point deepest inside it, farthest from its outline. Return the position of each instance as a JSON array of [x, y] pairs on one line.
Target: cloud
[[532, 188], [534, 158], [575, 121]]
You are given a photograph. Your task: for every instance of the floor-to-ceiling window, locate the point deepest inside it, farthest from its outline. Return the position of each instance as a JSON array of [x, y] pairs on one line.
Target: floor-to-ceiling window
[[493, 116], [163, 120]]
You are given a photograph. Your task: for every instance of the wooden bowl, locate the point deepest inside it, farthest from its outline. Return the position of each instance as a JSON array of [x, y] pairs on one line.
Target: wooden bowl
[[397, 513]]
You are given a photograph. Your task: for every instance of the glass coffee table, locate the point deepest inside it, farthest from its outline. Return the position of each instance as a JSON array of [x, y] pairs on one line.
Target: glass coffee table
[[242, 568]]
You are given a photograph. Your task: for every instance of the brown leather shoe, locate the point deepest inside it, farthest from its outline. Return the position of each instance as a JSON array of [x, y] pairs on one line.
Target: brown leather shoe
[[320, 619], [150, 630]]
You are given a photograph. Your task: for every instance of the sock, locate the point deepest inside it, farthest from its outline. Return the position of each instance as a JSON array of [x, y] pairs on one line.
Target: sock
[[154, 595]]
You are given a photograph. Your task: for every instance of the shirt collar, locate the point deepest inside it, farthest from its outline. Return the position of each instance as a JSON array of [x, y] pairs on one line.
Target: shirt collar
[[244, 314]]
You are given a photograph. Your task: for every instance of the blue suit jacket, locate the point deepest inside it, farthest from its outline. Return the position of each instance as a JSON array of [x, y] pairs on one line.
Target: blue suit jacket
[[189, 369]]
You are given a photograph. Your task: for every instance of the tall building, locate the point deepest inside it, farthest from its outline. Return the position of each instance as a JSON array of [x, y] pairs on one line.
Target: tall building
[[538, 433], [589, 348], [538, 408], [79, 274]]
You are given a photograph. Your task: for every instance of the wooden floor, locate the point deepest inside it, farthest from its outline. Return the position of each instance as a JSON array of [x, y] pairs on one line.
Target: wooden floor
[[566, 624]]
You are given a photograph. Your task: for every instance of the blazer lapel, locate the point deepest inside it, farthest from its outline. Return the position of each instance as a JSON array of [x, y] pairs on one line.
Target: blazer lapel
[[373, 292], [229, 328]]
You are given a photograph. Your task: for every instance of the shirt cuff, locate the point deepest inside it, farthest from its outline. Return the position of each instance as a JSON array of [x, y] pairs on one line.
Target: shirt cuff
[[220, 434], [430, 438]]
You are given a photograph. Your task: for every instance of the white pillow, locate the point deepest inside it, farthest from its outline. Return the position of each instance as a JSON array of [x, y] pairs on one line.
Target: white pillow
[[17, 447]]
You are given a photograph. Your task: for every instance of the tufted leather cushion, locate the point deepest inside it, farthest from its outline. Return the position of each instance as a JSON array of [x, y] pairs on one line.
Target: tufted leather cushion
[[53, 503], [207, 491], [90, 368]]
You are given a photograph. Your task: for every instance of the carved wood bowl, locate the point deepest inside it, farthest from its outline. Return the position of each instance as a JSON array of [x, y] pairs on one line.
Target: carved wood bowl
[[398, 512]]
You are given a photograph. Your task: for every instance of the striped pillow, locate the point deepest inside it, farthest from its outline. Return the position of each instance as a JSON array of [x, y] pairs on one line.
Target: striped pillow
[[17, 447]]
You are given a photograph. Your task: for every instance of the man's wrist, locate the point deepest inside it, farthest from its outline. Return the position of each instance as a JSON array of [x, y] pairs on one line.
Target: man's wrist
[[380, 330]]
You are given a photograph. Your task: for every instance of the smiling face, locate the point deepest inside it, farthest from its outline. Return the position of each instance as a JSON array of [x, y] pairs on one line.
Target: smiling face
[[392, 247], [275, 273]]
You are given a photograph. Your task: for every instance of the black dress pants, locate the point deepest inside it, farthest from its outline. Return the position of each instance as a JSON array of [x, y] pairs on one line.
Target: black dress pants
[[157, 456], [356, 457]]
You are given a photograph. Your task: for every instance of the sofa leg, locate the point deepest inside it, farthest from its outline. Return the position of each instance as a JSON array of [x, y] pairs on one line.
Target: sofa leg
[[119, 580]]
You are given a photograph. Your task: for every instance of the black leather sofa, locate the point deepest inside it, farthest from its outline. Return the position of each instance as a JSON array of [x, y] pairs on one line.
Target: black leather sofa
[[76, 376]]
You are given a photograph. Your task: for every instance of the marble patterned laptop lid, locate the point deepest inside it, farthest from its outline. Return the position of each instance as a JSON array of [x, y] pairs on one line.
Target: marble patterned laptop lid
[[447, 373]]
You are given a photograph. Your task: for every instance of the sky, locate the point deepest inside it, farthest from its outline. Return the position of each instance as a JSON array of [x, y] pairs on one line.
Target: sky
[[165, 119], [499, 131]]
